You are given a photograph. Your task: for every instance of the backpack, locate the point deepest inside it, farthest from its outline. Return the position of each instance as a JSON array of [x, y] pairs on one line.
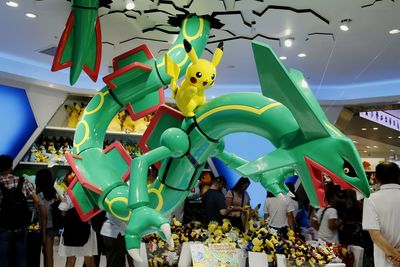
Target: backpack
[[76, 232], [14, 211]]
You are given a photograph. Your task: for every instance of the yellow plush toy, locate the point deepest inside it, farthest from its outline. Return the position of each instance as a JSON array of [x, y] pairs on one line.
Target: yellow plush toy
[[128, 124], [226, 225], [212, 226], [258, 244], [141, 125], [137, 126], [116, 122], [74, 114], [200, 75]]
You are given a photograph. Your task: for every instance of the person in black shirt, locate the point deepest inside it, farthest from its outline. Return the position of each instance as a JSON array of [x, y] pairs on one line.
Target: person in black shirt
[[214, 201]]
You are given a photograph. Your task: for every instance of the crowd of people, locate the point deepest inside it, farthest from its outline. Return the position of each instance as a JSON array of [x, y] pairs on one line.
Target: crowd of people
[[371, 223], [57, 217]]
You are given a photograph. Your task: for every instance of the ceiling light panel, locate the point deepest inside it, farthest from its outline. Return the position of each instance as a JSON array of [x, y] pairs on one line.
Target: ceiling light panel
[[289, 42], [12, 4], [345, 25], [394, 31], [30, 15]]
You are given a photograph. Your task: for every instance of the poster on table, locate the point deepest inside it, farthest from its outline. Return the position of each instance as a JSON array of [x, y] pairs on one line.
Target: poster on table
[[213, 255]]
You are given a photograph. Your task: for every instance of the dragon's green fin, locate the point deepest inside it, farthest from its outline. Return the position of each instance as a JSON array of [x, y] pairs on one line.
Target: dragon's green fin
[[291, 90]]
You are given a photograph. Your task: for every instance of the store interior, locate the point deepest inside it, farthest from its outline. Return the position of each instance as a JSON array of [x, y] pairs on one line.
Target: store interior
[[346, 50]]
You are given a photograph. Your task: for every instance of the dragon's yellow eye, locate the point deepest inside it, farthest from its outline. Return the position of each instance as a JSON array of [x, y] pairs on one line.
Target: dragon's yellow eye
[[198, 74], [346, 170]]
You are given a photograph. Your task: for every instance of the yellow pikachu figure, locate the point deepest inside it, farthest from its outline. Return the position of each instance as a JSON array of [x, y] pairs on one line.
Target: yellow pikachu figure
[[200, 75]]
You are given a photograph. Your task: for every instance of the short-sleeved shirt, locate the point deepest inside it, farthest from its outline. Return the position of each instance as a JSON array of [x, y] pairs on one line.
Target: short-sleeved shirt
[[295, 205], [238, 201], [10, 181], [381, 212], [49, 210], [277, 208], [213, 202], [113, 227], [324, 232]]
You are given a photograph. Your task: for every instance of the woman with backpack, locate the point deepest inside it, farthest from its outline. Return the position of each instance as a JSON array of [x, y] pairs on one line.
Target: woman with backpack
[[78, 238], [48, 202]]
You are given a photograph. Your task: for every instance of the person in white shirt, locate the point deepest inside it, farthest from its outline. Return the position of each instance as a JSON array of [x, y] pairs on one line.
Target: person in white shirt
[[327, 218], [278, 212], [381, 216], [293, 199]]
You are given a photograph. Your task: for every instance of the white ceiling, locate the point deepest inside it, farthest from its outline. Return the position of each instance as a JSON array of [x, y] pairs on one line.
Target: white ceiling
[[365, 53]]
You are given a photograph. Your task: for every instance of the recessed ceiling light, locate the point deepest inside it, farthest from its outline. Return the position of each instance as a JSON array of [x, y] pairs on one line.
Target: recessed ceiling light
[[375, 146], [302, 55], [288, 42], [375, 128], [345, 25], [394, 31], [365, 151], [392, 150], [282, 58], [367, 146], [398, 136], [363, 129], [130, 5], [390, 137], [355, 142], [30, 15], [11, 4]]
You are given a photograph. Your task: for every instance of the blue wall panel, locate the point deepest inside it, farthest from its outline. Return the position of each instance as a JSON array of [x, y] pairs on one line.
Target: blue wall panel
[[249, 147], [17, 121]]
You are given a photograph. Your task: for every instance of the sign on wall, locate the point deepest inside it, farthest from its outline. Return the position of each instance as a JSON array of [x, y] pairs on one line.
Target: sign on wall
[[383, 118]]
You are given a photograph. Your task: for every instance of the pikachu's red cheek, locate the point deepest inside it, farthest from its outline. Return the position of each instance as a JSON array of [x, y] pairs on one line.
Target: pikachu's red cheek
[[193, 80]]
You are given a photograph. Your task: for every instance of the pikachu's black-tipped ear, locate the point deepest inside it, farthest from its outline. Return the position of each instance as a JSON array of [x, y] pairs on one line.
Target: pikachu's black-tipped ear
[[221, 46], [190, 51], [187, 45], [218, 54]]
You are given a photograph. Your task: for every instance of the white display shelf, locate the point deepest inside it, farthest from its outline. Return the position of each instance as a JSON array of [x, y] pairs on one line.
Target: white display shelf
[[42, 163], [55, 130]]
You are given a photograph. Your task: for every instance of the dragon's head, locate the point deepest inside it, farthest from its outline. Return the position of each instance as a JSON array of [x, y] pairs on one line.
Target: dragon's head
[[335, 157]]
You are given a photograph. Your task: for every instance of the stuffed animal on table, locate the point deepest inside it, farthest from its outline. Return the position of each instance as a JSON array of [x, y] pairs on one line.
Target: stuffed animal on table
[[257, 244], [226, 225], [200, 75]]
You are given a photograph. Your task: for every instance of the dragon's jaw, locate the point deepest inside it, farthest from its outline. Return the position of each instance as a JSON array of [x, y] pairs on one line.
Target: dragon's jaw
[[316, 170]]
